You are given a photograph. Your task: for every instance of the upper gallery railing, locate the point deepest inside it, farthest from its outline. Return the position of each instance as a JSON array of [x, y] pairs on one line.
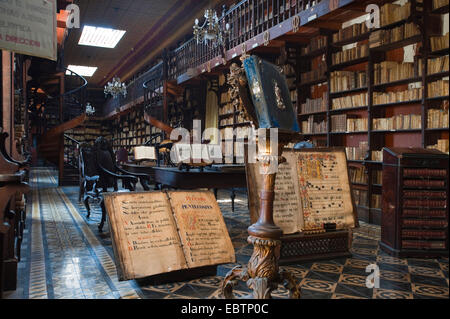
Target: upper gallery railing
[[247, 19], [135, 88]]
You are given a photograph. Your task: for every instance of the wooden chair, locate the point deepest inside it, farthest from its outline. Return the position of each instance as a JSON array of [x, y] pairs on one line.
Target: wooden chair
[[109, 173], [89, 176]]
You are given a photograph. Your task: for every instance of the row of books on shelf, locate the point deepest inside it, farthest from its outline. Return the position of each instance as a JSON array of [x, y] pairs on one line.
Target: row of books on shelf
[[377, 177], [441, 145], [226, 121], [312, 127], [391, 13], [354, 53], [288, 69], [294, 96], [315, 44], [315, 105], [377, 156], [350, 101], [347, 80], [357, 153], [400, 96], [384, 37], [315, 74], [226, 109], [390, 71], [438, 88], [438, 65], [360, 197], [344, 123], [398, 122], [437, 118], [350, 32], [376, 201], [225, 98], [439, 3], [241, 131], [439, 43], [358, 175]]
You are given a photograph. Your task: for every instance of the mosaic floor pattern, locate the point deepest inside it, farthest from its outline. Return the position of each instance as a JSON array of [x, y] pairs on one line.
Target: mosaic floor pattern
[[65, 257]]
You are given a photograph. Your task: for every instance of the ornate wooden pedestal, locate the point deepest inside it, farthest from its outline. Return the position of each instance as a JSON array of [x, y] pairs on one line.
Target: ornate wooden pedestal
[[262, 273]]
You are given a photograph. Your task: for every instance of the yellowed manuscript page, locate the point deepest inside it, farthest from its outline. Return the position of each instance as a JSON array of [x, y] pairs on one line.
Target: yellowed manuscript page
[[144, 233], [202, 229]]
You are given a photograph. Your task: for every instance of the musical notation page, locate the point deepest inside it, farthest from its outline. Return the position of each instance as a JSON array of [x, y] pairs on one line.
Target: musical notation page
[[324, 189]]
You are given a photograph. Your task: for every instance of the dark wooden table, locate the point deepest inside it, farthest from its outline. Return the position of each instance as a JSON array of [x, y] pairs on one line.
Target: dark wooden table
[[216, 177]]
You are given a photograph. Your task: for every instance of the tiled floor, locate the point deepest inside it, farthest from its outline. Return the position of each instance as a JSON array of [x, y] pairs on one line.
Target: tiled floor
[[64, 256]]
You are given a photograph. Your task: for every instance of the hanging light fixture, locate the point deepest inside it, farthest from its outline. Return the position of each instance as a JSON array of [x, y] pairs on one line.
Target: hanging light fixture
[[90, 110], [115, 88], [210, 32]]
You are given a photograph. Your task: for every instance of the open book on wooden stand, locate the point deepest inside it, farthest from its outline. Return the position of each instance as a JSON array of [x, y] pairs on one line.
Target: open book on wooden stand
[[313, 203], [163, 232]]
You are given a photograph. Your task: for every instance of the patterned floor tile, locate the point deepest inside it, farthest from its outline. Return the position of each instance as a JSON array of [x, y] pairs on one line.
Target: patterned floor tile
[[64, 256], [395, 276], [430, 290], [318, 285], [326, 267], [391, 294], [355, 280]]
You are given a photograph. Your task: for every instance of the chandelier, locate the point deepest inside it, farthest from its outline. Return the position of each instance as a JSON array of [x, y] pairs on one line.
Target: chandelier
[[115, 88], [90, 110], [210, 32]]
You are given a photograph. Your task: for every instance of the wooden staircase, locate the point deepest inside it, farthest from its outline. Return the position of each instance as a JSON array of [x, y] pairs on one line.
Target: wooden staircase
[[64, 109], [51, 147]]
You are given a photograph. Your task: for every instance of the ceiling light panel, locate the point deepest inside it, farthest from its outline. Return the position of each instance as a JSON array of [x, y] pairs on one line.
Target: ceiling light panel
[[100, 37], [81, 70]]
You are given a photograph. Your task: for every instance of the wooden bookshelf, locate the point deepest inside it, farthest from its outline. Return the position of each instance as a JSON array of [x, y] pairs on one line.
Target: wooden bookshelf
[[368, 193]]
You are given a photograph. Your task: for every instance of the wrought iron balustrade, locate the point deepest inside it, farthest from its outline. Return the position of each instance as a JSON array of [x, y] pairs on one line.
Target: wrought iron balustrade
[[247, 19]]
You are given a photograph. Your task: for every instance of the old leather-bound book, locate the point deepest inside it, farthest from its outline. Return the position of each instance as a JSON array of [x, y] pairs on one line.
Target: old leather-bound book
[[270, 95], [160, 232]]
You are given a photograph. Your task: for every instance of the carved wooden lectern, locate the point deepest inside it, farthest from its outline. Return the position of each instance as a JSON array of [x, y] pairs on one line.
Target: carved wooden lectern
[[264, 92]]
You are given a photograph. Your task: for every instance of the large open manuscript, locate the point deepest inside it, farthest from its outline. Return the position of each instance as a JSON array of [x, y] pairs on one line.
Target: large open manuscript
[[311, 189], [160, 232]]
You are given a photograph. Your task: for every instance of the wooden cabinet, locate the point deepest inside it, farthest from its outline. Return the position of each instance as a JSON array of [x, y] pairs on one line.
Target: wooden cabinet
[[414, 220]]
